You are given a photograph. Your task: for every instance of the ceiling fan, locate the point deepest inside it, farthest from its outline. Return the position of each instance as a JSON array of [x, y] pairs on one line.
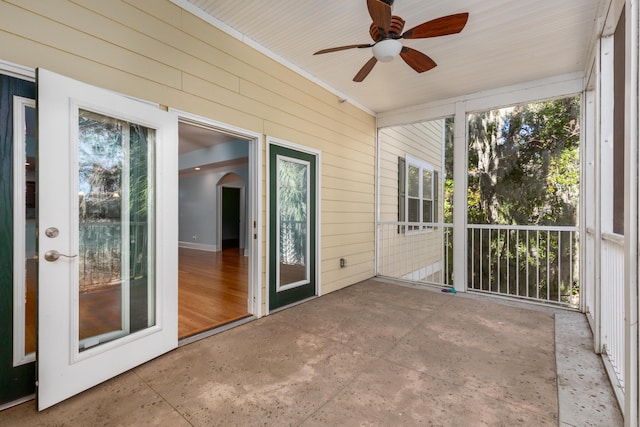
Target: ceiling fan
[[386, 32]]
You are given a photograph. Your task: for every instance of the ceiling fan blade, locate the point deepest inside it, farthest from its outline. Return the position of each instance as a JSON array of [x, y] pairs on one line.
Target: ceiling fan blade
[[380, 15], [336, 49], [417, 60], [451, 24], [364, 71]]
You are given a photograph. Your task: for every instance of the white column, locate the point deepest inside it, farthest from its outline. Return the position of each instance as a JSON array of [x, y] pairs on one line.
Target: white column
[[631, 215], [460, 162], [606, 133], [588, 205]]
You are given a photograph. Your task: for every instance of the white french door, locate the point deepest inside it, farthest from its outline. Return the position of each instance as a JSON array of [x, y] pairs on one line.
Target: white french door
[[107, 256]]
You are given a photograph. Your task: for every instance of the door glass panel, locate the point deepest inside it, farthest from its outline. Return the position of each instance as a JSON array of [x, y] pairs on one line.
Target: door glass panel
[[30, 230], [116, 228], [24, 344], [293, 226]]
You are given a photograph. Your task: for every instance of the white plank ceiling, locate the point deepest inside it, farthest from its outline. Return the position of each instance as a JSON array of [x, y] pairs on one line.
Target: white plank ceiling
[[505, 42]]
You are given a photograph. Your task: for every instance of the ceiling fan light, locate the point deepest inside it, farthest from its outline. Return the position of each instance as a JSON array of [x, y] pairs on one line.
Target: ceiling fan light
[[387, 50]]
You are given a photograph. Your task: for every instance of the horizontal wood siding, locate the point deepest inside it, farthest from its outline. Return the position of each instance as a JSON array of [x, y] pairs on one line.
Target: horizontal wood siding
[[154, 50], [422, 141], [401, 254]]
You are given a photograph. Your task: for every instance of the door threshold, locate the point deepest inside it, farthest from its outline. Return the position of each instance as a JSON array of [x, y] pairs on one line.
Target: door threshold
[[17, 402], [293, 304], [216, 330]]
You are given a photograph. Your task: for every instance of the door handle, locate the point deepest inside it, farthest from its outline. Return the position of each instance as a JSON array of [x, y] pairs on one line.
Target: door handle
[[54, 255]]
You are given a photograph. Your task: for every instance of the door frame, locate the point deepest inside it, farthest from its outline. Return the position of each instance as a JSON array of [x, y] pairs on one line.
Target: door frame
[[254, 216], [273, 141], [27, 74]]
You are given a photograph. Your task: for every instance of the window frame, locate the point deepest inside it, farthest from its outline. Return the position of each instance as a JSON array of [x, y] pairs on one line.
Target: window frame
[[404, 163]]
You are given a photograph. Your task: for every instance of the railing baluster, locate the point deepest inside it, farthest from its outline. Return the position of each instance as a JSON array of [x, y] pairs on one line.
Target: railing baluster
[[538, 264], [473, 255], [518, 262], [445, 255], [526, 247], [508, 237], [489, 269], [481, 261], [498, 256], [559, 270], [571, 246], [548, 265]]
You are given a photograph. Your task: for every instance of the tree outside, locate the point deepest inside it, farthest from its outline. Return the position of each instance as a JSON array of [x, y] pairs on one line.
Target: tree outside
[[523, 170]]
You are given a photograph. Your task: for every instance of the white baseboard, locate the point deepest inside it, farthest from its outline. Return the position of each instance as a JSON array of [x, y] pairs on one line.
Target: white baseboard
[[198, 246]]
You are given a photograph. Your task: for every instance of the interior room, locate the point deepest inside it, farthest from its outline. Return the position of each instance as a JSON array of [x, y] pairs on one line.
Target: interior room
[[213, 261]]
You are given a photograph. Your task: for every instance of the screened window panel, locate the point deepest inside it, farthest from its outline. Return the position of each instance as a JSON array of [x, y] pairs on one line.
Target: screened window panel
[[427, 211], [414, 210], [427, 184], [413, 181]]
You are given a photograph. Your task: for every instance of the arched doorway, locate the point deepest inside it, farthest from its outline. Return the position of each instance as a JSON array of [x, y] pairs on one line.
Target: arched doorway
[[231, 212]]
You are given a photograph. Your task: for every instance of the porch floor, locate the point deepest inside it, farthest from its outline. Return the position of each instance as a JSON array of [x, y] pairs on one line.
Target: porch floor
[[375, 354]]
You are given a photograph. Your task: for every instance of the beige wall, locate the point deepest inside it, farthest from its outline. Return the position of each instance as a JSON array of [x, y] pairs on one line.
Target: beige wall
[[153, 50], [414, 255], [422, 141]]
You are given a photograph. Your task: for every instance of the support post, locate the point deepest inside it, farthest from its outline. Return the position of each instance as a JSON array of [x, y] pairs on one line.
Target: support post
[[460, 163], [631, 213]]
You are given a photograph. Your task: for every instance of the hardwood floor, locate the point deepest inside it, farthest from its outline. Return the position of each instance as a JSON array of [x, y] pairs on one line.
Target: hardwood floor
[[30, 307], [213, 289]]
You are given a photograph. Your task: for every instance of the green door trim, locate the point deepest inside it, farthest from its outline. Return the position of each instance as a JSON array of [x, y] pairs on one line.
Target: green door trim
[[288, 296], [15, 382]]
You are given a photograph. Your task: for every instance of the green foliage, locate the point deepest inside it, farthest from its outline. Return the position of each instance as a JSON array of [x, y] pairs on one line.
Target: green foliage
[[523, 169], [293, 191], [292, 194], [523, 164]]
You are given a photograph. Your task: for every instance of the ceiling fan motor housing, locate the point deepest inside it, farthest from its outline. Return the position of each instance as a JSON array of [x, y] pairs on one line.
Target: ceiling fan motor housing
[[395, 29]]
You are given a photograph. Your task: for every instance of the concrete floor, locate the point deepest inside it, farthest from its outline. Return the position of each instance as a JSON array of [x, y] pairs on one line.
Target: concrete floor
[[372, 354]]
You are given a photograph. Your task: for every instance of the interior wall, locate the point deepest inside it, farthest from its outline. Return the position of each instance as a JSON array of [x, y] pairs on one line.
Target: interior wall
[[198, 210], [158, 52]]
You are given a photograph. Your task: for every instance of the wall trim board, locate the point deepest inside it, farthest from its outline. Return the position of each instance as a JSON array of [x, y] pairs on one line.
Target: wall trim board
[[17, 70]]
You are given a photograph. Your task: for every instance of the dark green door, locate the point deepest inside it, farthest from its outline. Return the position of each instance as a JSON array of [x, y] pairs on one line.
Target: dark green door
[[17, 368], [292, 226]]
